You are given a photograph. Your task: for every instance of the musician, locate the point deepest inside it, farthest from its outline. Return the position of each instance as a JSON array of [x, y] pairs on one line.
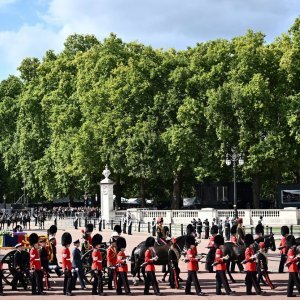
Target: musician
[[285, 231], [192, 267], [66, 241], [210, 257], [240, 231], [122, 267], [19, 269], [150, 258], [250, 266], [174, 254], [77, 266], [36, 266], [220, 266], [160, 232], [44, 256], [97, 265], [111, 256], [292, 264]]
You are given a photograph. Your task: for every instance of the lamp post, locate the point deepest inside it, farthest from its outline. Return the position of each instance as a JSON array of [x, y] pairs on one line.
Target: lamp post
[[235, 159], [85, 199], [4, 202]]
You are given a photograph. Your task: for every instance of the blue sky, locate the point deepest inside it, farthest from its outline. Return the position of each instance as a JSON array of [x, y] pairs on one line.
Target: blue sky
[[30, 27]]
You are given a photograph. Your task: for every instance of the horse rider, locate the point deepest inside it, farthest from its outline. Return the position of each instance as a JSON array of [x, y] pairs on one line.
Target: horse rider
[[240, 231], [210, 257], [160, 232], [285, 231]]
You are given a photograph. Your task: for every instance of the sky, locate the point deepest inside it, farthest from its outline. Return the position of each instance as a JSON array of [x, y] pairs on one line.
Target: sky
[[28, 28]]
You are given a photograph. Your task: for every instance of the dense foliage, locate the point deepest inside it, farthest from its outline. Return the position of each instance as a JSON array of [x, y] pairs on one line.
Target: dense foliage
[[162, 120]]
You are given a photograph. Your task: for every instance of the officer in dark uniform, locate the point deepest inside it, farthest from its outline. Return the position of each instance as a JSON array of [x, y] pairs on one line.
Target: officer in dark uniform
[[18, 269], [77, 266], [199, 228], [173, 259], [210, 257]]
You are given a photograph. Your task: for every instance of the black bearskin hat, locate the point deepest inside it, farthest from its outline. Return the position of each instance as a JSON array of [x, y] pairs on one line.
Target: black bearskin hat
[[290, 241], [66, 239], [259, 228], [52, 230], [190, 240], [233, 229], [118, 229], [218, 240], [89, 228], [285, 230], [33, 239], [214, 229], [190, 229], [121, 243], [96, 240], [248, 240], [150, 241]]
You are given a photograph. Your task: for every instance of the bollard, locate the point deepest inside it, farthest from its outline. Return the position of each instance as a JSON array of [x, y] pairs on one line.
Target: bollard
[[94, 223], [291, 229], [139, 226], [148, 227], [271, 230], [170, 229], [112, 224], [121, 224], [181, 229]]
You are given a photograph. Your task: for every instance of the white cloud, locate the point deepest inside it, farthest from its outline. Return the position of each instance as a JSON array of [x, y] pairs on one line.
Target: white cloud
[[4, 3]]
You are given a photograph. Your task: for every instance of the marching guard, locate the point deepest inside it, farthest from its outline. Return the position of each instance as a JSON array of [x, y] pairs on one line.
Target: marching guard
[[44, 256], [52, 249], [122, 267], [97, 265], [77, 266], [173, 259], [285, 231], [210, 257], [66, 241], [1, 276], [111, 256], [35, 266], [18, 269]]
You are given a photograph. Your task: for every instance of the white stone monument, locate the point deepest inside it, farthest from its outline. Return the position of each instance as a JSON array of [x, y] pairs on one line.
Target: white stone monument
[[107, 197]]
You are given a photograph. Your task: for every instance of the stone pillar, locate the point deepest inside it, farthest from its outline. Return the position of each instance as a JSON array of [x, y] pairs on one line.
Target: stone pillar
[[107, 197]]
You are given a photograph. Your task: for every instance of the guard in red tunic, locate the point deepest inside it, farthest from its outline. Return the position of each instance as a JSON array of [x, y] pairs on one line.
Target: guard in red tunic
[[111, 256], [88, 230], [233, 239], [220, 266], [292, 264], [35, 266], [210, 257], [192, 267], [97, 265], [150, 259], [285, 231], [250, 266], [66, 241], [122, 267]]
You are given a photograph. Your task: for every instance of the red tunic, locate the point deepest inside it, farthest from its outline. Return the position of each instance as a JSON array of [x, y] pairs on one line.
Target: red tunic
[[121, 258], [220, 263], [283, 244], [192, 260], [97, 260], [233, 239], [0, 265], [35, 262], [251, 265], [292, 260], [148, 259], [211, 242], [111, 256], [66, 259]]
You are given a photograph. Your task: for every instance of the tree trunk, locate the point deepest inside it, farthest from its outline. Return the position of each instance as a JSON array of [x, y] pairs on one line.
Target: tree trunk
[[143, 191], [177, 188], [256, 187]]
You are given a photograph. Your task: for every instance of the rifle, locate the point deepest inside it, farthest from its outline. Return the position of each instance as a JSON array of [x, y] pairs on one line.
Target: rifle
[[252, 258]]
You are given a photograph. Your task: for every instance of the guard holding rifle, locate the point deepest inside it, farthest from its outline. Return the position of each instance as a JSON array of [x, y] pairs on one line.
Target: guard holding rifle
[[19, 269], [111, 256], [97, 265], [66, 241], [285, 231]]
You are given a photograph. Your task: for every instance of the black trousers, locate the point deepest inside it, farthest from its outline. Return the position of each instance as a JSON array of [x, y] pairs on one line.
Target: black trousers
[[293, 280], [18, 276], [80, 275], [210, 258], [151, 279], [129, 231], [37, 282], [122, 281], [221, 279], [1, 286], [263, 274], [251, 280], [98, 283], [68, 282], [111, 277], [192, 277], [282, 262], [174, 276]]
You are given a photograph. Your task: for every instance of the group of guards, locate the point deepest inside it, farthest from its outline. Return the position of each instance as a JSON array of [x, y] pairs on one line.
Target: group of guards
[[255, 262]]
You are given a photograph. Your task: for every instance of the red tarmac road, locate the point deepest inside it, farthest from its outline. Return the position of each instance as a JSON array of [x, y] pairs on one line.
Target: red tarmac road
[[207, 281]]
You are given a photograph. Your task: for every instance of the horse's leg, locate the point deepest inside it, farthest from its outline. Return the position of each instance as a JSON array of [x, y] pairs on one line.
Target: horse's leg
[[228, 271], [240, 266]]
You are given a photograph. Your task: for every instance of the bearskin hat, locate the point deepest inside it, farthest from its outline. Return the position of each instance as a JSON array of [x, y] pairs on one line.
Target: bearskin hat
[[233, 229], [66, 239], [259, 228], [248, 240], [290, 241], [218, 240], [214, 229], [190, 229], [52, 230], [118, 229], [89, 228], [190, 240], [33, 239], [96, 240], [150, 241], [121, 243], [285, 230]]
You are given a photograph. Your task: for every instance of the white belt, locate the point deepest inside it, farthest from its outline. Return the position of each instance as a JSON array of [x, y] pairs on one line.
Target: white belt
[[68, 258], [99, 260], [36, 259]]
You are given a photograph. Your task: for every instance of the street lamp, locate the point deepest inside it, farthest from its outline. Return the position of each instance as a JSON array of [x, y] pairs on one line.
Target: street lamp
[[4, 201], [235, 159], [85, 199]]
